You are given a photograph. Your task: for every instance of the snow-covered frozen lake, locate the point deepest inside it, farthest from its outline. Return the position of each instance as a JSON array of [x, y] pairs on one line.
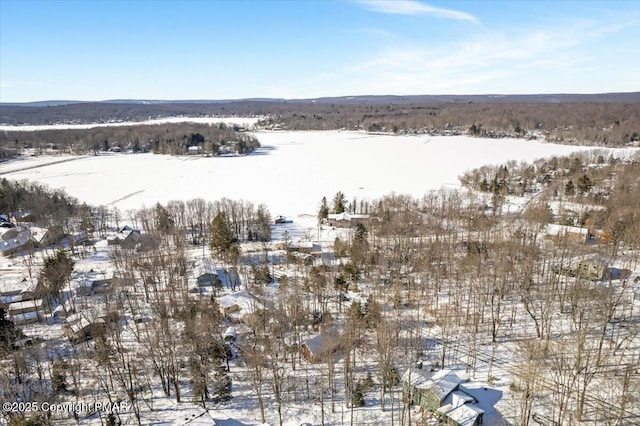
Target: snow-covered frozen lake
[[290, 173]]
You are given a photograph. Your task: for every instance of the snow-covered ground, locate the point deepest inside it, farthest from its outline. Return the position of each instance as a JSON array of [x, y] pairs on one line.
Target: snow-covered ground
[[240, 121], [290, 173]]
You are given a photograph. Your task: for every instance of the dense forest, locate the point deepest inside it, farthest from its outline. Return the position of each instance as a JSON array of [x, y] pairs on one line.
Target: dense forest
[[606, 120]]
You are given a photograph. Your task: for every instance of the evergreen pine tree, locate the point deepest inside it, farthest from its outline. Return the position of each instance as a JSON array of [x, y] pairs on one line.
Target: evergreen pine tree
[[339, 203], [323, 213], [569, 188], [8, 331], [222, 385], [222, 239]]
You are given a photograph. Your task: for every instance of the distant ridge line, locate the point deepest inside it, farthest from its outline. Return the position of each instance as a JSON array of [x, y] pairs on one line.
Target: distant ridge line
[[617, 97]]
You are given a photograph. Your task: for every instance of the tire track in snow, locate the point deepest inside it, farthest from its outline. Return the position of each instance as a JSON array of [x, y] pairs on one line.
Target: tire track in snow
[[35, 166], [125, 197]]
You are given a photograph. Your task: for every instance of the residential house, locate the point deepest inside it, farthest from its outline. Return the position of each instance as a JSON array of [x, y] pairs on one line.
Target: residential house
[[26, 312], [206, 274], [306, 247], [127, 238], [466, 414], [317, 347], [237, 306], [302, 258], [78, 238], [591, 269], [440, 395], [570, 234], [95, 282], [346, 220], [13, 238], [45, 237], [600, 236], [88, 323], [16, 288], [23, 216], [85, 329], [429, 393]]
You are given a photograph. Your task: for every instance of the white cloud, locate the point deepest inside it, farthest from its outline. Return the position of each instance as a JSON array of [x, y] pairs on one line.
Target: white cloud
[[412, 7], [522, 60]]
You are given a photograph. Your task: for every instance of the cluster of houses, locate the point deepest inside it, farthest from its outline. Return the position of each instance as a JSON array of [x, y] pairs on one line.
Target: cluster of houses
[[15, 238]]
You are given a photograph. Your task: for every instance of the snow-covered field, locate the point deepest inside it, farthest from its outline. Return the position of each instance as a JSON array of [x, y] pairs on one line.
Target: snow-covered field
[[240, 121], [290, 173]]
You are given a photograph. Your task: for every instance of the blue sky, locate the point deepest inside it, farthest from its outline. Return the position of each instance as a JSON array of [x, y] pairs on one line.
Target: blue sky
[[97, 50]]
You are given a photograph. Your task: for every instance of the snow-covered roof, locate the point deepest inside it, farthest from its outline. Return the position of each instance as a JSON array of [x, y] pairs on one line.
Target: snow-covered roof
[[243, 300], [441, 383], [16, 285], [463, 415], [555, 229], [415, 378], [459, 398], [346, 216], [93, 314], [205, 266], [322, 342], [83, 323], [38, 234], [12, 239], [27, 305], [25, 317]]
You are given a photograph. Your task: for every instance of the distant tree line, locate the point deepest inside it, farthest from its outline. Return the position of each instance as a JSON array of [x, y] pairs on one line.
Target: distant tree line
[[604, 124], [173, 139], [608, 120]]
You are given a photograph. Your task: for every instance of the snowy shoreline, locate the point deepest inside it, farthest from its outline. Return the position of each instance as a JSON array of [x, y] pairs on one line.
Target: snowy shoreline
[[290, 173]]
